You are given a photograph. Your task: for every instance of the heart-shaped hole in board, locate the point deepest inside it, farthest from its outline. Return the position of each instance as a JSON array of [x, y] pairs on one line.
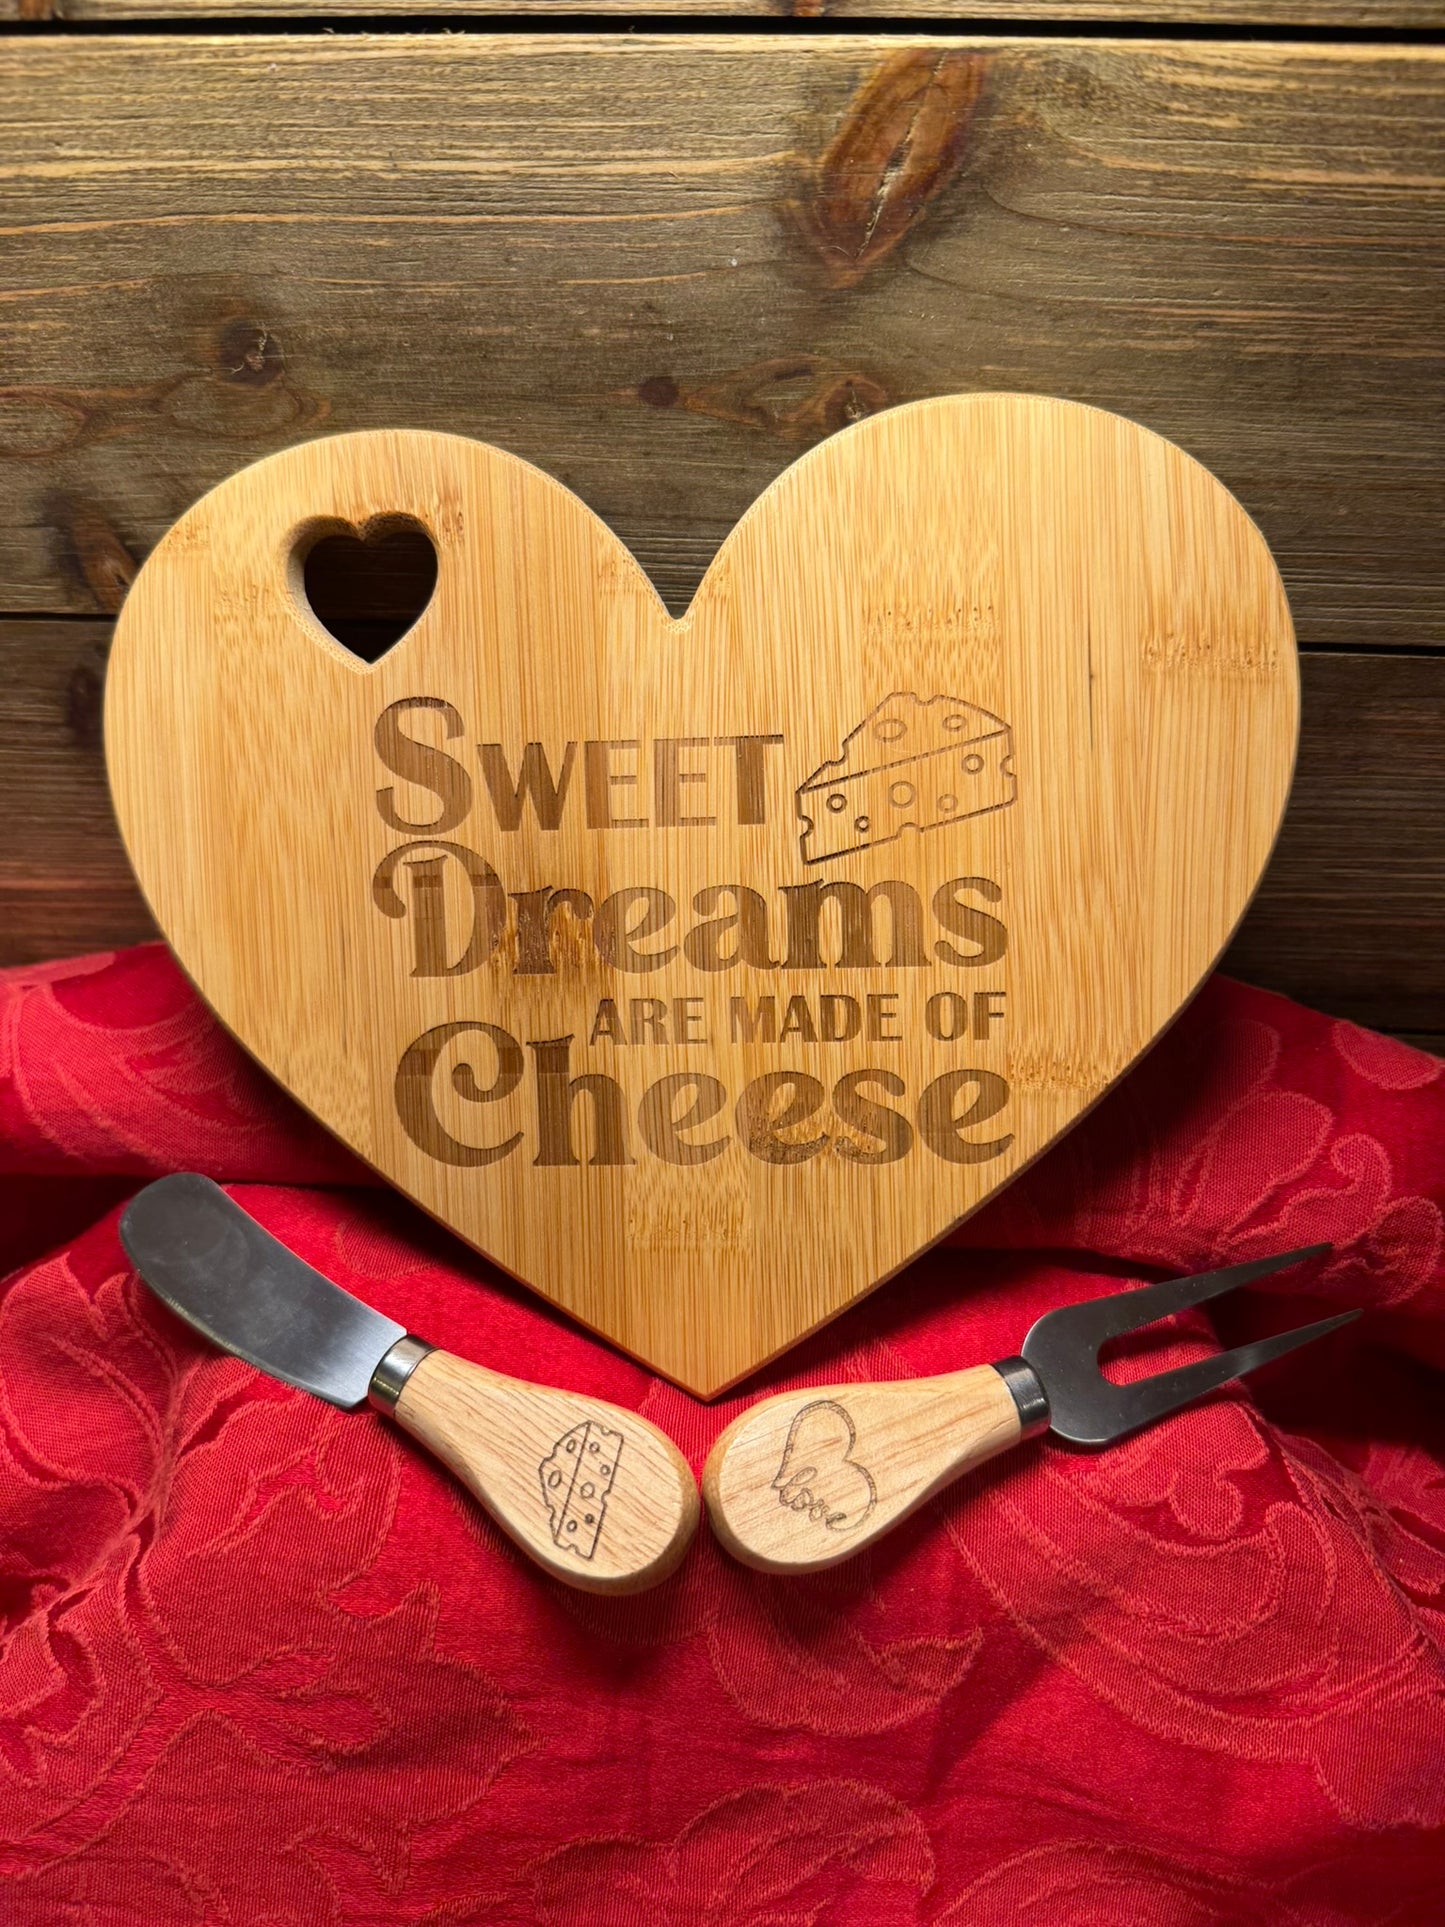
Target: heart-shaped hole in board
[[368, 589], [566, 1028]]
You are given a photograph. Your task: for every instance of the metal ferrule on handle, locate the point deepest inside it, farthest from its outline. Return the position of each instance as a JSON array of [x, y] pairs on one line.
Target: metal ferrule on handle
[[394, 1370], [1028, 1394]]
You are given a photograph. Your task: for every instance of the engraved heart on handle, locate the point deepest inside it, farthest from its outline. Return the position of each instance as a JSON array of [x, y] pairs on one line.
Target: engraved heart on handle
[[702, 972]]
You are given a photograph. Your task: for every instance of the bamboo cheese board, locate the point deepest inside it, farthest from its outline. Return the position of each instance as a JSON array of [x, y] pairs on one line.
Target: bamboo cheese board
[[703, 971]]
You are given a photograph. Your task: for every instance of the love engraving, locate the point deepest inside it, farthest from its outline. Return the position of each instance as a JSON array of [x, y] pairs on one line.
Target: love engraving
[[818, 1476], [912, 764]]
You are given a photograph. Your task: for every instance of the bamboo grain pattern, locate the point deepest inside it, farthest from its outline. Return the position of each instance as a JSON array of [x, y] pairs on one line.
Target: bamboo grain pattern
[[1362, 849], [657, 957]]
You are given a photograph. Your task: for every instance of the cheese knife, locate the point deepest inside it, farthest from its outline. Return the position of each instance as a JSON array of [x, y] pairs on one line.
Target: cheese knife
[[594, 1494]]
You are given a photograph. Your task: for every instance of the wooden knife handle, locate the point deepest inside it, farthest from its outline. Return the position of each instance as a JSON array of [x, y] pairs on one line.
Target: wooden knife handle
[[806, 1479], [593, 1493]]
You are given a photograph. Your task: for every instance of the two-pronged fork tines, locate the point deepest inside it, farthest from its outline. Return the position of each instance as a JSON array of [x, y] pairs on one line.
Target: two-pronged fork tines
[[806, 1479], [1063, 1348]]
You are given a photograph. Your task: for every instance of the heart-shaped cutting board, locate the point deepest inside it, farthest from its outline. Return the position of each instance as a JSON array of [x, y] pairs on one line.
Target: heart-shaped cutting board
[[702, 972]]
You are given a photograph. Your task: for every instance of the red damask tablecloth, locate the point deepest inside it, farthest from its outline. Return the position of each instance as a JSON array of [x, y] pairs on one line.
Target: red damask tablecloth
[[264, 1664]]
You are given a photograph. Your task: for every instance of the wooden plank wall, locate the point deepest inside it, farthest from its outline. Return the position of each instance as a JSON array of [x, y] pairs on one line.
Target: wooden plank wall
[[1337, 16], [661, 265]]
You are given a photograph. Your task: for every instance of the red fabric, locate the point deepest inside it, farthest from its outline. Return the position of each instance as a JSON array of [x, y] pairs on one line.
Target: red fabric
[[264, 1665]]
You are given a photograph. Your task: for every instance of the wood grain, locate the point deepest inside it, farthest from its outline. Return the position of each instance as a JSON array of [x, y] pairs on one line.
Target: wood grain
[[595, 1495], [1361, 856], [703, 972], [1242, 245], [65, 884], [805, 1480], [1376, 15], [579, 249], [1352, 915]]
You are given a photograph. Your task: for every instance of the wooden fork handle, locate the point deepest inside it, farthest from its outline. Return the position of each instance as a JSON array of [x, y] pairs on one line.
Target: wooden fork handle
[[805, 1480], [600, 1498]]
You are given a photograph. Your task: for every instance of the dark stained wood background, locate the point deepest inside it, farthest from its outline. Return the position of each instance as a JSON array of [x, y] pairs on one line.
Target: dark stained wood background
[[662, 266], [1353, 15]]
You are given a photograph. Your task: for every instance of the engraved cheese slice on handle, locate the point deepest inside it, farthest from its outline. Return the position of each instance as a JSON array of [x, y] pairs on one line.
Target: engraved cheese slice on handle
[[576, 1478], [228, 1278], [703, 971]]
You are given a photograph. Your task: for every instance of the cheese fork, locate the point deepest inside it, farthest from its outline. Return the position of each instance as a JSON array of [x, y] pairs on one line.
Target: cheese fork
[[594, 1494], [806, 1479]]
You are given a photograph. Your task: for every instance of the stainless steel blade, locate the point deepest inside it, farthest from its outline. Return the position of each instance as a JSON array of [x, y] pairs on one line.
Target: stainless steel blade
[[215, 1267]]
